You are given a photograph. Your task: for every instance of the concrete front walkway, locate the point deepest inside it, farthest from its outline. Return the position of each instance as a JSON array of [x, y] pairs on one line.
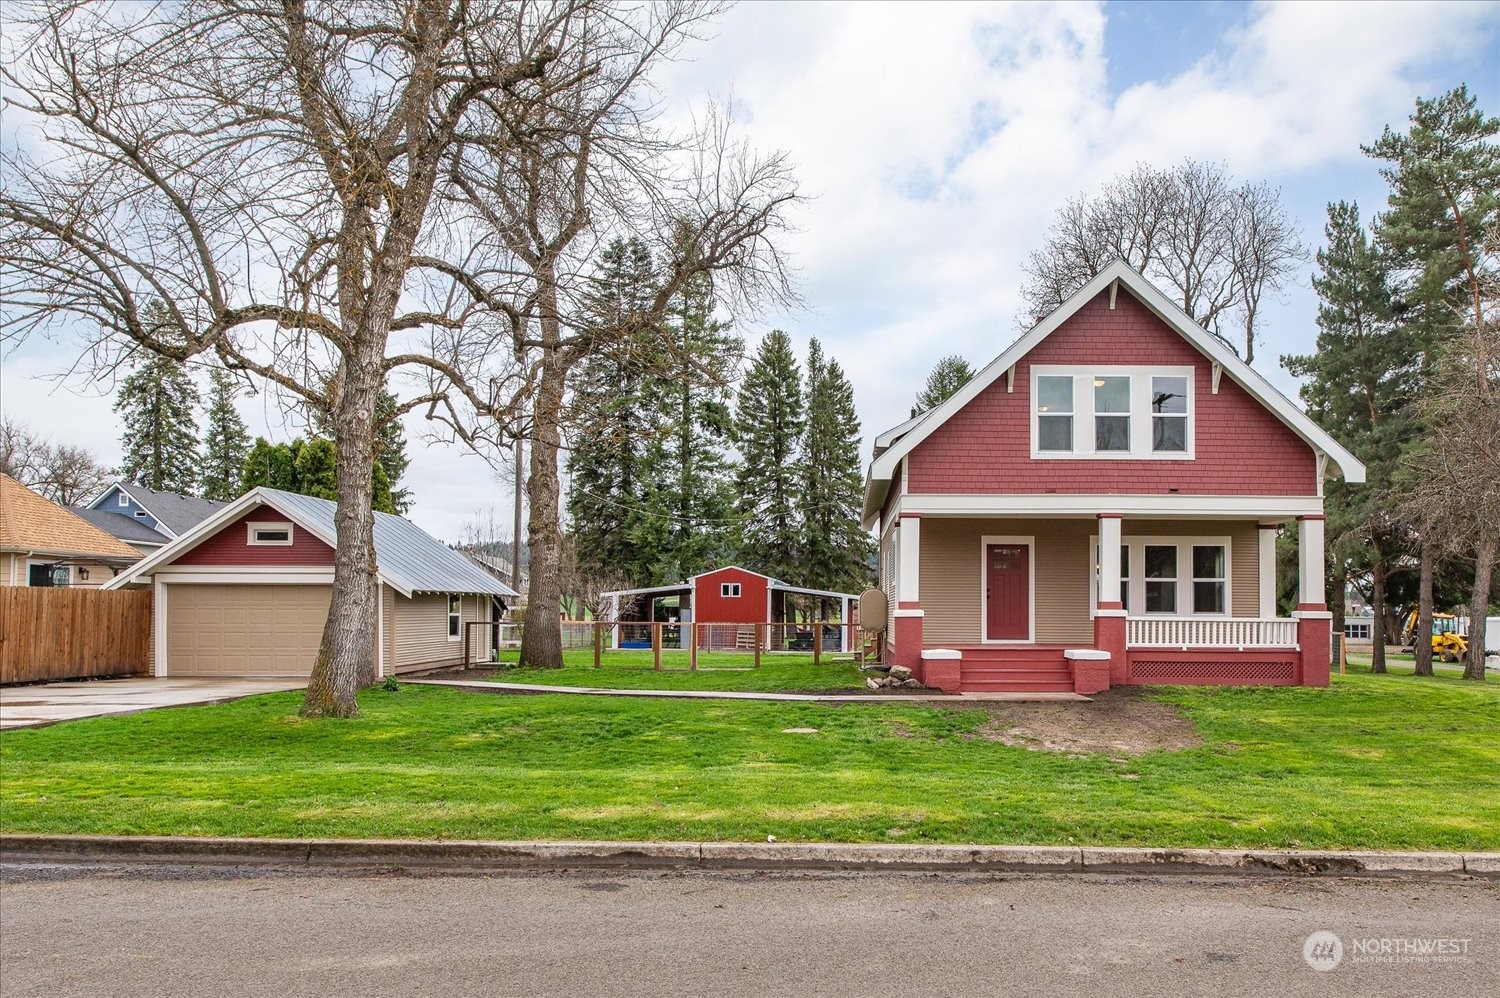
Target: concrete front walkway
[[485, 686], [49, 703]]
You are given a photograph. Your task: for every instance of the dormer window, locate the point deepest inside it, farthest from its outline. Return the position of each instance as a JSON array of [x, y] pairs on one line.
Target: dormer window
[[270, 534], [1109, 411]]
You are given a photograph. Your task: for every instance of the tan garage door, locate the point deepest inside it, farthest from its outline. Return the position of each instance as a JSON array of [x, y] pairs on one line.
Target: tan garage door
[[224, 630]]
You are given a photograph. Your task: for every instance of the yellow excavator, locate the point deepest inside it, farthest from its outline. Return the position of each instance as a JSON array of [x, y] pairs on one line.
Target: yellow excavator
[[1447, 643]]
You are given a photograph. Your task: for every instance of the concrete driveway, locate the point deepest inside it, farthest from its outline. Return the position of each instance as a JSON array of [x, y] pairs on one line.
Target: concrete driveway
[[49, 703]]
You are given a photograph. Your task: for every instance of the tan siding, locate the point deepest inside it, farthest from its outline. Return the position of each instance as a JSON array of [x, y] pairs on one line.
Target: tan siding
[[421, 631], [1244, 553], [951, 586], [388, 637]]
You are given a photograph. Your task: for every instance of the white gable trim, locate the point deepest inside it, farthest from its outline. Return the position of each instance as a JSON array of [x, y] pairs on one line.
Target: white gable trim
[[883, 468], [207, 528]]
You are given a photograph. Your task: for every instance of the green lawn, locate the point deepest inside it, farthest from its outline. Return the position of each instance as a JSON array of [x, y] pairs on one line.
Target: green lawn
[[632, 670], [1375, 761]]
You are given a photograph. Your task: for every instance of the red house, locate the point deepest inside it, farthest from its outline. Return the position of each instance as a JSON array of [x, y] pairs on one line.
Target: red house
[[1099, 506]]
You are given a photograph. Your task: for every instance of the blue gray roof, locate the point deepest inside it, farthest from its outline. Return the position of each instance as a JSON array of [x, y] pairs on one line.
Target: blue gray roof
[[180, 513], [126, 528], [405, 553]]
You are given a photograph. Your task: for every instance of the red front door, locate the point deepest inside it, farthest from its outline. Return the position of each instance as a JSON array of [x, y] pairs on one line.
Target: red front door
[[1007, 592]]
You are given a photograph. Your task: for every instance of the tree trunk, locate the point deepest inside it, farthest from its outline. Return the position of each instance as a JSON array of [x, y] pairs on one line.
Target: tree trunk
[[1378, 624], [541, 640], [346, 657], [1479, 604], [1421, 639]]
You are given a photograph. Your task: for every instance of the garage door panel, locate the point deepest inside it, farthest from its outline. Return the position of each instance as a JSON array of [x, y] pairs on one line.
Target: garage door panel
[[244, 630]]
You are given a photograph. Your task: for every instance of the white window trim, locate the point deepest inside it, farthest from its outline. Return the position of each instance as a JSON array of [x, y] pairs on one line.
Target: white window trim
[[984, 581], [121, 499], [729, 590], [1140, 412], [1137, 595], [451, 615], [254, 541]]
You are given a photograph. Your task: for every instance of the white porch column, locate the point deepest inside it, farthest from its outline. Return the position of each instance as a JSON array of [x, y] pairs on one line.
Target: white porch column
[[1310, 556], [1267, 563], [909, 552], [1109, 561]]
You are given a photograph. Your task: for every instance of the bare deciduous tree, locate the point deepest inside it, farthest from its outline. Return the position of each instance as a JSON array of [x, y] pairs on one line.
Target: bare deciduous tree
[[272, 175], [65, 474], [1220, 247]]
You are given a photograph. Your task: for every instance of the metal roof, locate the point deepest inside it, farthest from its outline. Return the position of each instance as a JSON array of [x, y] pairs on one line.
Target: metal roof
[[404, 552]]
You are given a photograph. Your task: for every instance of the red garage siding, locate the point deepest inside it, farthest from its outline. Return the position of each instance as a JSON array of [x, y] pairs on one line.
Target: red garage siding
[[748, 608], [1241, 447], [230, 546]]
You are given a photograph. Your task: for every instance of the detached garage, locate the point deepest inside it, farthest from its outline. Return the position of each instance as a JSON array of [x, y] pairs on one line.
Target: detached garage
[[246, 593]]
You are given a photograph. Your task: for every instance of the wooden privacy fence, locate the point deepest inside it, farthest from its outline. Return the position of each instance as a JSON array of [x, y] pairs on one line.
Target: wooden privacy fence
[[59, 633]]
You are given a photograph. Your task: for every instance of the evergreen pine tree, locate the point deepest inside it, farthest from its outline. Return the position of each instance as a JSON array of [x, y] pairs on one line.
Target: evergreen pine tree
[[307, 467], [271, 465], [226, 442], [949, 375], [390, 455], [615, 420], [768, 430], [156, 404], [838, 548]]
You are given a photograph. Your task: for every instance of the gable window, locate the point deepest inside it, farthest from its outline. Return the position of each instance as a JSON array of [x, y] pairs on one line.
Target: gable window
[[1054, 419], [1112, 411], [121, 499], [270, 534], [1169, 400], [455, 617], [730, 590]]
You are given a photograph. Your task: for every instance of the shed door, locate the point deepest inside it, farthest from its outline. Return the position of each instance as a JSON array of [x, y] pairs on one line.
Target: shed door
[[244, 630], [1007, 592]]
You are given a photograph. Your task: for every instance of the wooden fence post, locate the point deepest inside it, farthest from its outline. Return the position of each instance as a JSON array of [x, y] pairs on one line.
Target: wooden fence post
[[817, 643], [656, 639], [760, 639], [693, 645]]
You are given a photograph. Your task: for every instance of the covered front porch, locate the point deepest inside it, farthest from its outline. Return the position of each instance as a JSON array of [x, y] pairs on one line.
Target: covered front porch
[[1084, 602]]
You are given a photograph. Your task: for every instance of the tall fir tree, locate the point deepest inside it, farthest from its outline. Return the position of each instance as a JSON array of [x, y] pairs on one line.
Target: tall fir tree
[[694, 493], [226, 441], [307, 467], [614, 419], [1360, 386], [390, 452], [838, 549], [156, 404], [949, 375], [768, 430]]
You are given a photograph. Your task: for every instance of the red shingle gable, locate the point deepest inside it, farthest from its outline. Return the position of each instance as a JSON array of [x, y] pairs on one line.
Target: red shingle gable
[[1241, 448]]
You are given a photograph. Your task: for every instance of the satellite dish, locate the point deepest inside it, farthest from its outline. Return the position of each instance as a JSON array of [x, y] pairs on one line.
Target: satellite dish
[[874, 610]]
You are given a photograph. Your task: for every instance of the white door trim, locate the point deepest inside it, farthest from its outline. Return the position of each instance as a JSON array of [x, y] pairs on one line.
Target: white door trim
[[984, 581]]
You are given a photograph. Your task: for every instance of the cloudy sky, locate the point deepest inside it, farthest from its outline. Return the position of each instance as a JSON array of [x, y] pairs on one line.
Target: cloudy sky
[[936, 142]]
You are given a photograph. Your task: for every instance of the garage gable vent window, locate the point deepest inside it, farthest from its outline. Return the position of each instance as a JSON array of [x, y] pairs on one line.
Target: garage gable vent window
[[455, 612], [271, 534], [730, 590]]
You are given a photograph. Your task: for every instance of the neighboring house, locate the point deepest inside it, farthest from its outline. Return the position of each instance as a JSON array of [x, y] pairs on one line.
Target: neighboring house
[[1100, 506], [168, 514], [246, 592], [730, 595], [44, 544], [126, 528]]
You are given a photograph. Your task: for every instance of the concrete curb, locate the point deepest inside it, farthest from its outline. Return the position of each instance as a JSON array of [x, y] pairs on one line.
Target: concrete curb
[[479, 857]]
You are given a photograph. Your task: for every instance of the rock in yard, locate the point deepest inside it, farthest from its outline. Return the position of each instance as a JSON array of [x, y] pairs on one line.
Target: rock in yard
[[873, 684], [900, 672]]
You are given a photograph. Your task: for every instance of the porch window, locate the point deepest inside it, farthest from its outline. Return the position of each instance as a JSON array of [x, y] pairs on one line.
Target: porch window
[[1169, 400], [1208, 578], [455, 616], [1125, 576], [1054, 397], [1111, 414], [1161, 578]]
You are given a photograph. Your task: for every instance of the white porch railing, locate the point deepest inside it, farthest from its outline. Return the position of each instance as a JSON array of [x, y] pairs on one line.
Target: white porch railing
[[1210, 632]]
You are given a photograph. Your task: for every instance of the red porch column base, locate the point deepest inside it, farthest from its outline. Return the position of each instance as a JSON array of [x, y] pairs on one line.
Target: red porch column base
[[1091, 675], [1314, 635], [1109, 635], [944, 674], [909, 639]]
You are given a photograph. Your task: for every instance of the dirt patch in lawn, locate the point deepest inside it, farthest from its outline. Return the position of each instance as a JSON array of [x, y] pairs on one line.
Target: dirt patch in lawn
[[1122, 722]]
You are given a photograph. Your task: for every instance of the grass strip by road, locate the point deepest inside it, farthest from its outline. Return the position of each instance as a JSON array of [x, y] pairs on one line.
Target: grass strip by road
[[1387, 762]]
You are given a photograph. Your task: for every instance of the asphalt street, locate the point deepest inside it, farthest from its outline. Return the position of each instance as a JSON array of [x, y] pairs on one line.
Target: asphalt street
[[200, 933]]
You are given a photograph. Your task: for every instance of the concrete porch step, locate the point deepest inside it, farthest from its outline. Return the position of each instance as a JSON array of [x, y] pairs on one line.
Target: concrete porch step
[[1060, 675]]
